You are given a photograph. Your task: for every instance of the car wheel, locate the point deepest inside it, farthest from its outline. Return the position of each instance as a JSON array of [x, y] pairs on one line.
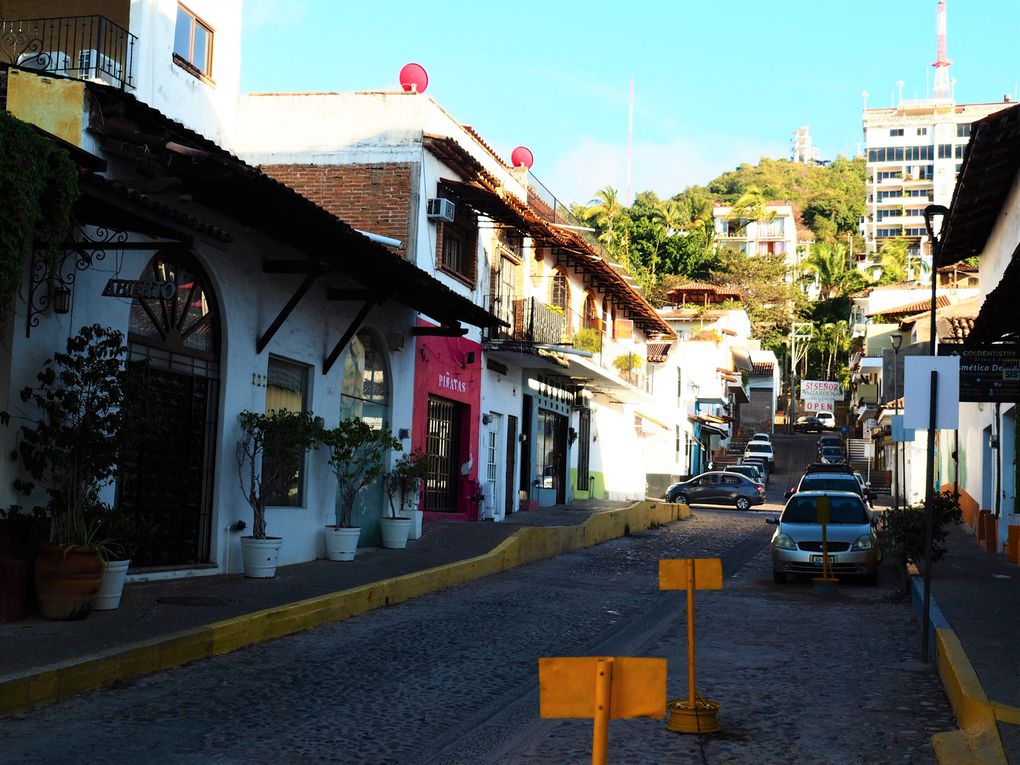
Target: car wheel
[[743, 503], [778, 577], [683, 499]]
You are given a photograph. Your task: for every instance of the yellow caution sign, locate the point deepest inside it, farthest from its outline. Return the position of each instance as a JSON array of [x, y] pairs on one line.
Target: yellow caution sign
[[602, 688], [674, 573], [691, 574]]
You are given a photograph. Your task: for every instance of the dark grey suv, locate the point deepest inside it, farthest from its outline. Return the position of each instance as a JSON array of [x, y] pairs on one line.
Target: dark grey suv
[[718, 488]]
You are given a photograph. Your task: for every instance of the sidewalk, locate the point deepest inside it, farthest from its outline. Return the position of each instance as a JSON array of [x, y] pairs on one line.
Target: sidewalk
[[167, 623], [978, 595]]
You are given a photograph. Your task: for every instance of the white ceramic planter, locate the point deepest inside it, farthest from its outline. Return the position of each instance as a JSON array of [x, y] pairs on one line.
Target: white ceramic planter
[[394, 532], [112, 586], [341, 544], [260, 556], [415, 531]]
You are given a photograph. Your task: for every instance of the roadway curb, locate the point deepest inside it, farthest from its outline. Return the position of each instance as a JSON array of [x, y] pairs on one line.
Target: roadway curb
[[977, 742], [37, 687]]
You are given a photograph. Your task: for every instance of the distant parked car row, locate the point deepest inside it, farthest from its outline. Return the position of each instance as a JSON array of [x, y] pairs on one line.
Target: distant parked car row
[[815, 423]]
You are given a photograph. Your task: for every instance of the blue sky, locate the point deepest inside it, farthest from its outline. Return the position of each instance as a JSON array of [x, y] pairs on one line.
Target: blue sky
[[716, 83]]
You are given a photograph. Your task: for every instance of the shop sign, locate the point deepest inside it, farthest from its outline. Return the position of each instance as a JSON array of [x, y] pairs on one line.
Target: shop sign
[[988, 374], [819, 405], [452, 383], [820, 389], [136, 288]]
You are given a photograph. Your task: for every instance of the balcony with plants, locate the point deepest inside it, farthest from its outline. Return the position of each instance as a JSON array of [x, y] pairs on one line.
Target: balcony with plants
[[83, 47], [536, 325]]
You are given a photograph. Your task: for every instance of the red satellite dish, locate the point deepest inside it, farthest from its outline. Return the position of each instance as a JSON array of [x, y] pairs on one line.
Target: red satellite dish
[[522, 157], [414, 78]]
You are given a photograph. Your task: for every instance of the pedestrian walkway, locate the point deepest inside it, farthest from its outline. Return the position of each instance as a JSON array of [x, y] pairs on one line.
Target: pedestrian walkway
[[978, 595], [166, 623]]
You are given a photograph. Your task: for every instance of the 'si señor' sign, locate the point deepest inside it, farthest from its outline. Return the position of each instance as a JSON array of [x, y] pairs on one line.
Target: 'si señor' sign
[[816, 389]]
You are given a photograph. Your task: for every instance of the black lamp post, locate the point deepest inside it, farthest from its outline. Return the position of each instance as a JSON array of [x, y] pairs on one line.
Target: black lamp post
[[934, 219]]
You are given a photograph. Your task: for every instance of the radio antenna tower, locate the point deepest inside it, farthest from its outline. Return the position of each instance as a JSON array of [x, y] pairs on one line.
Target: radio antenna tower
[[943, 87]]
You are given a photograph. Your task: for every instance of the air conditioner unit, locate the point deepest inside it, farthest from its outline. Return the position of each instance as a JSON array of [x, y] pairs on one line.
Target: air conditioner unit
[[441, 209], [47, 61], [93, 65]]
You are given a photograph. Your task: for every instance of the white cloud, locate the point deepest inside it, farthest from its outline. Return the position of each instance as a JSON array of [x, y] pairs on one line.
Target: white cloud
[[665, 168]]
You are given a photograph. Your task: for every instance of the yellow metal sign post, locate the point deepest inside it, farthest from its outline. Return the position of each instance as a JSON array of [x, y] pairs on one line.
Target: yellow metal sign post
[[602, 688], [697, 715], [826, 582]]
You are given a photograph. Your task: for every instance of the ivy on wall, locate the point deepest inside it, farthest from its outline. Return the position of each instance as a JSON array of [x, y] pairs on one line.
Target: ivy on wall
[[38, 188]]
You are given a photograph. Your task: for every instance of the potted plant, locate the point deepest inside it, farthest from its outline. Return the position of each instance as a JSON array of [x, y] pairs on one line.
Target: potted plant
[[124, 534], [269, 455], [357, 452], [403, 490], [71, 449], [626, 365]]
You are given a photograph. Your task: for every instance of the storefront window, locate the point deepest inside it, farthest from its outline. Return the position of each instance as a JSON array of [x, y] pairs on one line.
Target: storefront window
[[287, 390], [364, 392]]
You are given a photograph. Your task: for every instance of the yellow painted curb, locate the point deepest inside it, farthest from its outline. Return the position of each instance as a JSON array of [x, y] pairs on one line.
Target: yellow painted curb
[[977, 742], [35, 688]]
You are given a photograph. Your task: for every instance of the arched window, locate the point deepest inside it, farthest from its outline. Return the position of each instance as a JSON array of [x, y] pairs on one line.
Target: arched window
[[590, 318], [365, 390], [559, 293]]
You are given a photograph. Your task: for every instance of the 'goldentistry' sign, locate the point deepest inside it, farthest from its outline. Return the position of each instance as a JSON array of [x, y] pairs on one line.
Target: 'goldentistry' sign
[[987, 374]]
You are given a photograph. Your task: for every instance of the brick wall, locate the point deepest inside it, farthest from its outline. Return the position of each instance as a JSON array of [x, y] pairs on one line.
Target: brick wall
[[373, 197]]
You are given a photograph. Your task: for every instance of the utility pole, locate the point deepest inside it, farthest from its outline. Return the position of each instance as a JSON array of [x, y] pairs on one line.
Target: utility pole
[[800, 331]]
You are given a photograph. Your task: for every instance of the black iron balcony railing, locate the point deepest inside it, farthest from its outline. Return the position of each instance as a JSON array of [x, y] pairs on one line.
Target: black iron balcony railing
[[531, 322], [86, 47]]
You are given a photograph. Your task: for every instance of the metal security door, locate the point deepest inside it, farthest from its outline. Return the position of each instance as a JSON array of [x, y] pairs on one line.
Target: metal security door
[[511, 461], [165, 476], [442, 444], [584, 450]]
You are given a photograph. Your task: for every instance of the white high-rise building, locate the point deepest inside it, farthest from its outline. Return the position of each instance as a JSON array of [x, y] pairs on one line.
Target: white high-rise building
[[802, 148], [914, 151]]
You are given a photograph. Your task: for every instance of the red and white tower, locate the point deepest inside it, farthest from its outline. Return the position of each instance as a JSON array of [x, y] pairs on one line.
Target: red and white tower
[[943, 87]]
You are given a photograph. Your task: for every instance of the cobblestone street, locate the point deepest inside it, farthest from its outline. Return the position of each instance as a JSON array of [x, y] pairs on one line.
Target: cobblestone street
[[452, 677]]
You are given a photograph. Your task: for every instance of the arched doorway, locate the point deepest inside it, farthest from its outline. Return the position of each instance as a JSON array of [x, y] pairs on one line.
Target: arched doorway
[[365, 395], [166, 475]]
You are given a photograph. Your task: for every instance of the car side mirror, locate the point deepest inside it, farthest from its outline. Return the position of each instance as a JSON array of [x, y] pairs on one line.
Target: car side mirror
[[772, 521], [868, 484]]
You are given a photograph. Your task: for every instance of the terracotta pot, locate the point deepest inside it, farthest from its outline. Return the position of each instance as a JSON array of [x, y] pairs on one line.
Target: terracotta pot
[[66, 580]]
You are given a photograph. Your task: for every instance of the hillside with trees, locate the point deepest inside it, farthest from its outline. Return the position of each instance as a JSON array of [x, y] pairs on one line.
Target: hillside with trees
[[664, 242]]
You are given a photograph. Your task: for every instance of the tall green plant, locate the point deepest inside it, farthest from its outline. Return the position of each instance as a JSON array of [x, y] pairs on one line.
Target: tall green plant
[[40, 184], [73, 445], [357, 453], [285, 437], [906, 529]]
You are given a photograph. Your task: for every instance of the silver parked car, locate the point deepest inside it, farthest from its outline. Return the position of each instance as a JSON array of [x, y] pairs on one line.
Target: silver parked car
[[852, 540]]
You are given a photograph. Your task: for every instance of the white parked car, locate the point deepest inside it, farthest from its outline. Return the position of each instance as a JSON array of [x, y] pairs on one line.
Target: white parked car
[[761, 449], [828, 419], [762, 437]]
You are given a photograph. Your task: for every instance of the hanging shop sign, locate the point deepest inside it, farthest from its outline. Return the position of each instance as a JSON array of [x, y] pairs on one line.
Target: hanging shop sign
[[137, 288], [820, 389], [819, 405], [988, 374]]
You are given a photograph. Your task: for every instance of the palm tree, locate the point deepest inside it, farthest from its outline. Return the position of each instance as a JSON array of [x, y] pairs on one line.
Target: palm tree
[[605, 209], [671, 216], [752, 206], [835, 273]]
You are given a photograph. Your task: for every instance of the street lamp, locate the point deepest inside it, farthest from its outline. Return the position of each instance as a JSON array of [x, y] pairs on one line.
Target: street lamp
[[896, 341], [934, 221]]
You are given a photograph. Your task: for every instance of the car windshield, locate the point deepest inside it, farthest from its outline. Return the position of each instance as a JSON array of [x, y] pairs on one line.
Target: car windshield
[[830, 483], [843, 510], [758, 446], [831, 451]]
